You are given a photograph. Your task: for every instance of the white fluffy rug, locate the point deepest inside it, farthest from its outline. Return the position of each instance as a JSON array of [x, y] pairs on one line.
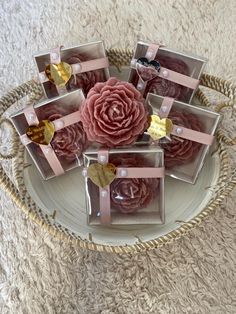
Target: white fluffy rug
[[40, 275]]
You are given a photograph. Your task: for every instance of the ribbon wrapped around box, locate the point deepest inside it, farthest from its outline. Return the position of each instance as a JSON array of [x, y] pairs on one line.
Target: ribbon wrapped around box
[[185, 134], [62, 65], [155, 129], [51, 132], [103, 173], [46, 148], [154, 65]]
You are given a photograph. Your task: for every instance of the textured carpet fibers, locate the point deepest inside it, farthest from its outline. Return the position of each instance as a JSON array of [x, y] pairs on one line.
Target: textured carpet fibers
[[40, 275]]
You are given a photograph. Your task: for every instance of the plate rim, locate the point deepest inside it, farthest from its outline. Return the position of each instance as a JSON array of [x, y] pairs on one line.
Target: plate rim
[[15, 189], [224, 186]]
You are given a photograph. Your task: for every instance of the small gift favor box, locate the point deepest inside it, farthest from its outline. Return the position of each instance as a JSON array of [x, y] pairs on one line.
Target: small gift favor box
[[53, 134], [124, 186], [165, 72], [67, 69], [185, 133]]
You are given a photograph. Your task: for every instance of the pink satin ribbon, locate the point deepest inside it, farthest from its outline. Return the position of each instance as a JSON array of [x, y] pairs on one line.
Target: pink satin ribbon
[[192, 135], [165, 73], [55, 58], [179, 78], [104, 193], [55, 55], [67, 120], [90, 65], [47, 150], [145, 172]]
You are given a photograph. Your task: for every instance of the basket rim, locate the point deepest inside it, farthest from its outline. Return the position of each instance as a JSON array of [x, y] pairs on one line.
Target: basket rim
[[226, 182]]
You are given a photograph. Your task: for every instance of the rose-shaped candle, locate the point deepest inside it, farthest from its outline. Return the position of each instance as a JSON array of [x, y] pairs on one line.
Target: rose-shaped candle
[[114, 113], [85, 80], [181, 151], [164, 87], [69, 142], [132, 194]]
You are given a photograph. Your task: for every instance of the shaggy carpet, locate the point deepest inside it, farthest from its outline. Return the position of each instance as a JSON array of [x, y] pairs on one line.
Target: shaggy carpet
[[40, 275]]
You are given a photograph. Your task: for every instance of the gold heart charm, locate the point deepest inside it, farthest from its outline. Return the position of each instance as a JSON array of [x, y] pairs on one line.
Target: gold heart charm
[[159, 128], [102, 175], [41, 133], [59, 74]]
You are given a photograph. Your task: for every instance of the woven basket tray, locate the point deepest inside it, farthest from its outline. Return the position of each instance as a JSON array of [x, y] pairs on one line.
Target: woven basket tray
[[15, 185]]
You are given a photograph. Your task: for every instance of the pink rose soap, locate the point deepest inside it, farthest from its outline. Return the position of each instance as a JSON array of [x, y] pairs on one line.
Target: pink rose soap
[[182, 151], [85, 80], [161, 86], [132, 194], [114, 113], [69, 142], [165, 87], [53, 133]]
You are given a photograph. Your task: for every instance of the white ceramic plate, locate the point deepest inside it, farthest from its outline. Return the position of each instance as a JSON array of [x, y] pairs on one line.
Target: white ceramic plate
[[66, 195]]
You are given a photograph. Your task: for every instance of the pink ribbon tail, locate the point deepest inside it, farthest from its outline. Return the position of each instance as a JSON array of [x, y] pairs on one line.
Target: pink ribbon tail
[[104, 193], [52, 159], [192, 135], [179, 78], [105, 206]]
